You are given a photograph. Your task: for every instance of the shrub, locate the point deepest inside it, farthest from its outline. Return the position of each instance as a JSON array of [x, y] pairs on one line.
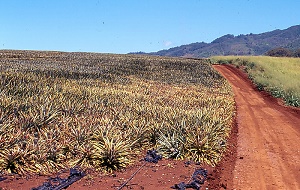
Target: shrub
[[280, 52]]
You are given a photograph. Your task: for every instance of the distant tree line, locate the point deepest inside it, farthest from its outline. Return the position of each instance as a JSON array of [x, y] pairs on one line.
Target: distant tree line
[[138, 52], [283, 52]]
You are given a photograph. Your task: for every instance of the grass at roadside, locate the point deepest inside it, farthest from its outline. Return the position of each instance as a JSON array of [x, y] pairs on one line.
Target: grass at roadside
[[277, 75]]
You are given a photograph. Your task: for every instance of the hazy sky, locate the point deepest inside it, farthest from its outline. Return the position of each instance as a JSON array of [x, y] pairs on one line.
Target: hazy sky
[[122, 26]]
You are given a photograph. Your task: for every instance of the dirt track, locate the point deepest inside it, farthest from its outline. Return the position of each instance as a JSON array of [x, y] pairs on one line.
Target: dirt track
[[268, 150]]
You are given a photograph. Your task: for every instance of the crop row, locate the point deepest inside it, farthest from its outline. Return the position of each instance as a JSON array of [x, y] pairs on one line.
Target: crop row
[[99, 111]]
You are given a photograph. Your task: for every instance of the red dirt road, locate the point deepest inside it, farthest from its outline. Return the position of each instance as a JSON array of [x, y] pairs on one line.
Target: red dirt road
[[268, 150]]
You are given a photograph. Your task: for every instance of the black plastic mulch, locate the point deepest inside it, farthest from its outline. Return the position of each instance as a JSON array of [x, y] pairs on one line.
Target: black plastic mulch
[[198, 179], [58, 183], [2, 178], [152, 156]]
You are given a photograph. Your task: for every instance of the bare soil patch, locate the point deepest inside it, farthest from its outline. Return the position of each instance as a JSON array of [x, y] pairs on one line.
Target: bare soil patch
[[162, 175]]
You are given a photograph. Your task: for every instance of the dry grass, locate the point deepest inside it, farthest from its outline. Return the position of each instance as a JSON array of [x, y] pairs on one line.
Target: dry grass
[[278, 75]]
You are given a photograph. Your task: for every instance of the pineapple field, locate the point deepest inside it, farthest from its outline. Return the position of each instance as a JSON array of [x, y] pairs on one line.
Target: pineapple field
[[100, 111]]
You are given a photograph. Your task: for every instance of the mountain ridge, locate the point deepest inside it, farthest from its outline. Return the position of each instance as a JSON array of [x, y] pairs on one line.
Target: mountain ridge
[[243, 44]]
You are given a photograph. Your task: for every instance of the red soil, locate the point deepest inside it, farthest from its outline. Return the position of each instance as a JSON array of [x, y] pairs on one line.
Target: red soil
[[268, 153], [263, 151], [162, 175]]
